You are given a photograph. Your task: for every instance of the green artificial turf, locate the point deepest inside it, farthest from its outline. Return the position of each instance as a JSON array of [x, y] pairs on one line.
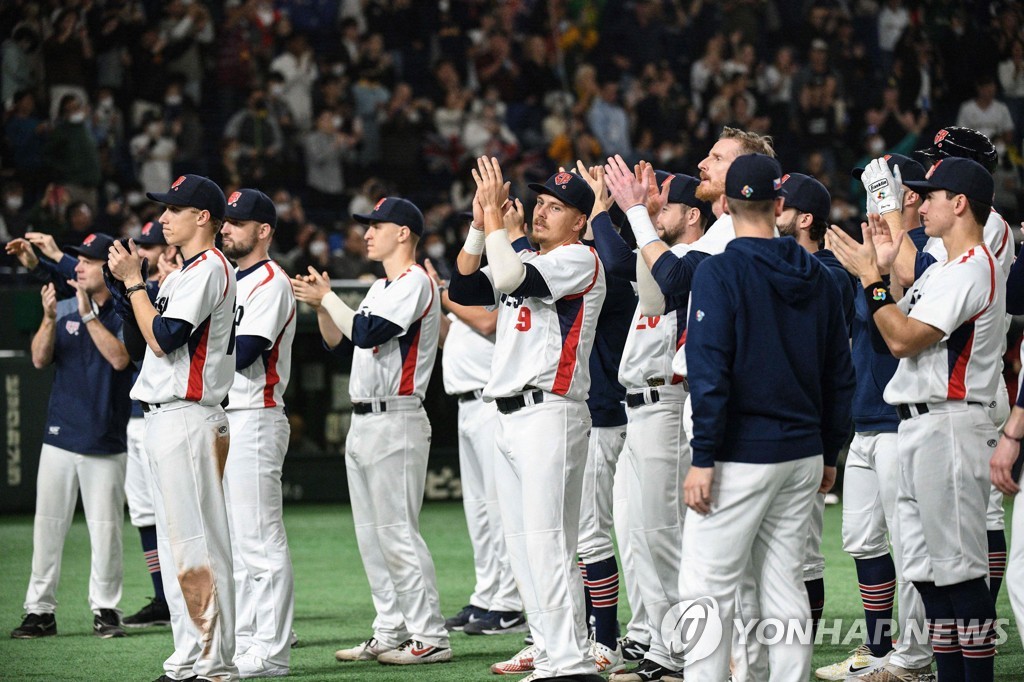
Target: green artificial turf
[[333, 605]]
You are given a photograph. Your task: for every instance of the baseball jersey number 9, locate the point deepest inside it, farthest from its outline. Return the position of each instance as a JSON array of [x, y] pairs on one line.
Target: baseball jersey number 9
[[523, 323]]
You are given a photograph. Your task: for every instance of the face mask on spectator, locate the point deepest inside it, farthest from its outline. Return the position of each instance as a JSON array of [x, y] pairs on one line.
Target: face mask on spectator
[[14, 202], [172, 100], [317, 249], [876, 147], [106, 103], [77, 117], [282, 208], [154, 129], [435, 250], [277, 89], [134, 198]]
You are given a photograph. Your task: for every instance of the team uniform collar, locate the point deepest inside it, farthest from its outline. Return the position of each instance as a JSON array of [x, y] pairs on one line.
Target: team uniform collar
[[251, 269]]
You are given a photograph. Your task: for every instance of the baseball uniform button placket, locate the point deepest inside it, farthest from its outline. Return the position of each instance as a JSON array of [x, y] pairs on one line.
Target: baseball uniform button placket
[[378, 405]]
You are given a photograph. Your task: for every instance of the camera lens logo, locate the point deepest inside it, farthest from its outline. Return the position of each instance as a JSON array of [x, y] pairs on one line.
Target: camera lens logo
[[692, 628]]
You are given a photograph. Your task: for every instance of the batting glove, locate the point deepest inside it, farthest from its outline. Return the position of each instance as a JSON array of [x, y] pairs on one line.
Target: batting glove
[[883, 186]]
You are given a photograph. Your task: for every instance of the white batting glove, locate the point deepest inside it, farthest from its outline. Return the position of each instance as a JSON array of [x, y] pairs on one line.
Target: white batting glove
[[883, 186]]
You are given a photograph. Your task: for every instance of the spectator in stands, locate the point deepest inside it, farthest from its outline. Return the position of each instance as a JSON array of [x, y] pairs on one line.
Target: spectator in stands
[[13, 216], [986, 114], [1011, 80], [186, 29], [610, 122], [25, 138], [350, 261], [19, 72], [259, 139], [153, 151], [893, 19], [325, 147], [71, 154], [405, 120], [297, 67], [67, 55]]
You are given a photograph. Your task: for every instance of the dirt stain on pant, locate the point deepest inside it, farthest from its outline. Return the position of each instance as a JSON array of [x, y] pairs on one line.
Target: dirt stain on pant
[[199, 590], [221, 444]]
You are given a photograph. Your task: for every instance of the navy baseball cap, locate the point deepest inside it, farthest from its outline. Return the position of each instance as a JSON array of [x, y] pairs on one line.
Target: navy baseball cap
[[152, 235], [683, 190], [909, 168], [753, 177], [570, 189], [94, 246], [959, 175], [806, 195], [193, 191], [394, 210], [251, 204]]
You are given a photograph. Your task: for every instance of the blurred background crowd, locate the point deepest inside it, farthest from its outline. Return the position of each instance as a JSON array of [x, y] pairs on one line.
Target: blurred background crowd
[[328, 105]]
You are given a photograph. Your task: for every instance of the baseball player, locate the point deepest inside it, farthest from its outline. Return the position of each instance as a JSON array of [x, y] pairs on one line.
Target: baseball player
[[654, 399], [494, 606], [948, 331], [83, 446], [138, 479], [756, 464], [548, 303], [869, 496], [185, 377], [264, 331], [395, 332]]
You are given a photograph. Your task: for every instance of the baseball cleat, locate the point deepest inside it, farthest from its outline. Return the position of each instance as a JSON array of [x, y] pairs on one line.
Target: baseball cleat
[[632, 650], [497, 623], [860, 662], [107, 624], [167, 678], [528, 640], [414, 652], [468, 614], [36, 625], [153, 613], [293, 640], [646, 671], [250, 665], [607, 660], [894, 673], [520, 663], [367, 651]]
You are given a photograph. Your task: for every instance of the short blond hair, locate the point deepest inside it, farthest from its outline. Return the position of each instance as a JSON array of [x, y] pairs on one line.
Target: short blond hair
[[750, 143]]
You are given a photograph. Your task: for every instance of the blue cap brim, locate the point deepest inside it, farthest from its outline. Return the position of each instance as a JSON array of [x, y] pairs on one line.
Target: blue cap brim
[[169, 198]]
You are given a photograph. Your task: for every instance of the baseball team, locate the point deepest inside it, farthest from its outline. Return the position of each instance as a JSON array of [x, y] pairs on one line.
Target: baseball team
[[678, 359]]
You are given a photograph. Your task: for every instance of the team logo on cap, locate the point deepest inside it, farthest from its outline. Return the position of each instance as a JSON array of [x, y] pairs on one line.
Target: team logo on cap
[[89, 240], [563, 179], [174, 185], [147, 228], [783, 180], [747, 191], [940, 136], [233, 199], [380, 203], [931, 171], [777, 184]]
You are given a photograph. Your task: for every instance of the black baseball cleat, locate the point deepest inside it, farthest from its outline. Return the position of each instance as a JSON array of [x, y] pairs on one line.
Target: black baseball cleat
[[36, 625], [633, 650], [107, 624], [497, 623], [168, 678], [153, 613], [646, 671], [468, 614]]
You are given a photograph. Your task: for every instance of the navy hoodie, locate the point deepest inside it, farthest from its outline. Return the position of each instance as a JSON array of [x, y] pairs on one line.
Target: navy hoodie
[[768, 357]]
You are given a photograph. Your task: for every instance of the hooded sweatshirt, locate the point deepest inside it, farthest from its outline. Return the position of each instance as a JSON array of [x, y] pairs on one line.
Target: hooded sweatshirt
[[768, 357]]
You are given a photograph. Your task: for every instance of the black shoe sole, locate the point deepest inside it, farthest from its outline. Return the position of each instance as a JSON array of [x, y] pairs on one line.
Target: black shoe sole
[[39, 635], [139, 626]]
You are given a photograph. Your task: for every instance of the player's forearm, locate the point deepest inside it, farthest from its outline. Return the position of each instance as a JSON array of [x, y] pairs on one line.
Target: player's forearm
[[1014, 427], [112, 350], [469, 257], [145, 314], [508, 271], [906, 258], [442, 332], [479, 318], [340, 314], [901, 334], [43, 343], [328, 330]]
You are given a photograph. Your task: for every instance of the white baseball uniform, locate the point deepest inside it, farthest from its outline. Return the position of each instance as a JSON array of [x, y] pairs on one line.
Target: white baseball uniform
[[638, 629], [466, 364], [386, 459], [187, 442], [540, 378], [264, 582], [138, 480]]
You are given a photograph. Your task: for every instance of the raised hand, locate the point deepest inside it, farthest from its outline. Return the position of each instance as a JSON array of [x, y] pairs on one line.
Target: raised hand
[[23, 251], [125, 264], [623, 184], [49, 296], [491, 188], [514, 219], [46, 244], [432, 271], [883, 185], [311, 288], [886, 249], [657, 197], [859, 259], [594, 177]]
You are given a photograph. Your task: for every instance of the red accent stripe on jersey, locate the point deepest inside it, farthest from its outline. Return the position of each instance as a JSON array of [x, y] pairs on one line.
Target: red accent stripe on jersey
[[270, 276], [201, 258], [567, 359], [1006, 237], [408, 383], [677, 378], [597, 271], [227, 271], [956, 389], [273, 378], [195, 368]]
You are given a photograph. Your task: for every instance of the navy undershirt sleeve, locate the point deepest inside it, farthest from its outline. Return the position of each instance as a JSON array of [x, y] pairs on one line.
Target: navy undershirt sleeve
[[370, 330], [618, 259], [675, 276], [472, 289], [171, 334], [1015, 288], [247, 349], [533, 286]]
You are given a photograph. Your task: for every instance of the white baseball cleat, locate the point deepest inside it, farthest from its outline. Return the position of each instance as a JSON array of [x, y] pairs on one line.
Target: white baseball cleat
[[367, 651], [859, 662], [415, 652], [894, 673], [607, 660], [254, 666], [520, 663]]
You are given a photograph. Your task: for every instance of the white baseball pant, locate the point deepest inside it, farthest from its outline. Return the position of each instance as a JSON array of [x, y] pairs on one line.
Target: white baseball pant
[[138, 479], [759, 515], [386, 460], [1015, 566], [814, 560], [495, 588], [603, 449], [870, 484], [264, 581], [100, 478], [543, 453], [188, 444], [999, 412], [944, 488], [637, 629], [657, 469]]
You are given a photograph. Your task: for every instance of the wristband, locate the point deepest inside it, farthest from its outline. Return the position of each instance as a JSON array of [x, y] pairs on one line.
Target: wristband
[[877, 296], [132, 289], [474, 245], [643, 228], [86, 319]]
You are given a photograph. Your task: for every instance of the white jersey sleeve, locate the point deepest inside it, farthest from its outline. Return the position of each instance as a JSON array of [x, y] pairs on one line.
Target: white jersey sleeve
[[265, 308], [467, 357], [201, 293], [402, 365]]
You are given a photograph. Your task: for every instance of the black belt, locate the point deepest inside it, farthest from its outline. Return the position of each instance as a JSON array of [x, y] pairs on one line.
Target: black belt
[[367, 408], [470, 395], [518, 402], [637, 399], [905, 412], [146, 407]]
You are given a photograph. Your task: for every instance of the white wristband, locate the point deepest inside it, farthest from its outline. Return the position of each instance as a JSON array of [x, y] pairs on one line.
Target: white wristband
[[86, 319], [643, 228], [474, 245], [340, 313]]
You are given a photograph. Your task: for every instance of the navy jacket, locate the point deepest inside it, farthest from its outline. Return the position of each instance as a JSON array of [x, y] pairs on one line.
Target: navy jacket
[[768, 357]]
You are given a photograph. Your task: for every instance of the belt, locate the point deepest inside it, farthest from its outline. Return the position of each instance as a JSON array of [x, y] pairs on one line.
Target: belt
[[378, 405], [911, 410], [146, 407], [470, 395], [644, 398], [518, 402]]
